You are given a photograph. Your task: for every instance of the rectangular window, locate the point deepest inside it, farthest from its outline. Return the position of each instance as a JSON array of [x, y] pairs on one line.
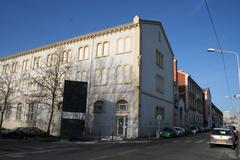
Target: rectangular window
[[160, 111], [19, 112], [122, 107], [159, 36], [101, 76], [159, 83], [159, 59], [82, 75], [8, 112], [98, 77], [31, 112], [123, 74]]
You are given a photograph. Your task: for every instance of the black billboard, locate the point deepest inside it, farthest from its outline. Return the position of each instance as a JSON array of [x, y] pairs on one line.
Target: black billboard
[[73, 109]]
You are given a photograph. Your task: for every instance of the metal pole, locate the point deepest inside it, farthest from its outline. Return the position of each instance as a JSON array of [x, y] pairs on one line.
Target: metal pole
[[238, 69]]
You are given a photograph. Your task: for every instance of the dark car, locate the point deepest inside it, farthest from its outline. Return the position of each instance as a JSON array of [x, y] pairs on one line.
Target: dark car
[[22, 132], [234, 130], [168, 133]]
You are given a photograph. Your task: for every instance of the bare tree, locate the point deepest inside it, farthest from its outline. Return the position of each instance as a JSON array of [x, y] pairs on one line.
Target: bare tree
[[50, 79], [8, 89]]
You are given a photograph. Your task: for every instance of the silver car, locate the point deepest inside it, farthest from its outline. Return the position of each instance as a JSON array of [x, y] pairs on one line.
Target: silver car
[[222, 136]]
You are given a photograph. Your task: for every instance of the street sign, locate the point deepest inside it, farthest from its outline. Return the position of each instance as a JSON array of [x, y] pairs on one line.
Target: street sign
[[159, 117]]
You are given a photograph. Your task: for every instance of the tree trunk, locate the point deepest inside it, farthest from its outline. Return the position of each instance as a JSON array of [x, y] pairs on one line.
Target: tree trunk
[[2, 114], [51, 115], [1, 121]]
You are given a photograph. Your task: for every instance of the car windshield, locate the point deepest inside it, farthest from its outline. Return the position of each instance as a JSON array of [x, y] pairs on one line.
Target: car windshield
[[221, 132], [167, 129]]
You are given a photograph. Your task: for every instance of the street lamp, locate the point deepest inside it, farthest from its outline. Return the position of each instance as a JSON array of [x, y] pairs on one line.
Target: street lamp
[[231, 52], [237, 95]]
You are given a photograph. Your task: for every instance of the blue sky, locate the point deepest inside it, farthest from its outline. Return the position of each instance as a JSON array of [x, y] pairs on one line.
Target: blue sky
[[27, 24]]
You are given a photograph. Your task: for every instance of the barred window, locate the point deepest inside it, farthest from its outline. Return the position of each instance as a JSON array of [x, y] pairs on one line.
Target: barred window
[[122, 105]]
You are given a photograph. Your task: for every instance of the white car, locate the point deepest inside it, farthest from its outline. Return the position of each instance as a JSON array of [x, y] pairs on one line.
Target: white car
[[179, 131]]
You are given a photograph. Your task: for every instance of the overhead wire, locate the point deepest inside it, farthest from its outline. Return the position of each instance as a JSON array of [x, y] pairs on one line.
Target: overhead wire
[[221, 48]]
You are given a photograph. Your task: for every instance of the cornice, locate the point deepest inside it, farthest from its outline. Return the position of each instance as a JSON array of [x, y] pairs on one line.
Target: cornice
[[72, 40]]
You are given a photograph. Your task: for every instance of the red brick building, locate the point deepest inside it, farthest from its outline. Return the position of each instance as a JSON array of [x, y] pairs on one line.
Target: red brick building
[[193, 97]]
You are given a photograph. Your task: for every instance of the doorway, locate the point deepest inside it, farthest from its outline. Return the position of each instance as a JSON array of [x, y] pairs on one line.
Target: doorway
[[122, 125]]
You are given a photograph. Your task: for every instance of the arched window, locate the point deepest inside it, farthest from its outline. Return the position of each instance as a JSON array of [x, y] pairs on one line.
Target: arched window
[[86, 52], [80, 53], [128, 44], [120, 46], [99, 50], [122, 105], [69, 56], [119, 74], [99, 107], [105, 48]]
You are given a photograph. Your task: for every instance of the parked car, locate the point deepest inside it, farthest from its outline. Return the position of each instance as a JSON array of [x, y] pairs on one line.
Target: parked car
[[234, 129], [22, 132], [167, 133], [222, 136], [179, 131], [187, 130], [194, 130]]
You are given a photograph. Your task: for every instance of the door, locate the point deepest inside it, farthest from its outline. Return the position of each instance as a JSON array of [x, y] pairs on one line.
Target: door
[[122, 125]]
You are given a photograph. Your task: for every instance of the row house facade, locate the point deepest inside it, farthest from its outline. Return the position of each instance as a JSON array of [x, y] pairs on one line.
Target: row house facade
[[130, 82], [207, 109], [217, 116], [192, 95], [179, 105]]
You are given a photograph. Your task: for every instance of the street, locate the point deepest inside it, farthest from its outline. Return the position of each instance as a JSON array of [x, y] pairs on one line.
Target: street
[[194, 147]]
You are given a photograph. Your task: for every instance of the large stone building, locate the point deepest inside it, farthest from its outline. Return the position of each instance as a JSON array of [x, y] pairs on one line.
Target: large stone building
[[130, 82]]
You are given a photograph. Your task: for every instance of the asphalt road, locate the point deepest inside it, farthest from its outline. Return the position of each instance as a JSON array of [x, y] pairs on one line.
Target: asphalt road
[[194, 147]]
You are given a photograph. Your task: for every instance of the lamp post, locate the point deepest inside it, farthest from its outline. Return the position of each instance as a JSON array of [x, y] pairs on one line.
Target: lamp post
[[237, 57], [237, 96]]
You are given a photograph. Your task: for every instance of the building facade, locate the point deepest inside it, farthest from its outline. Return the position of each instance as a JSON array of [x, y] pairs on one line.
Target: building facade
[[207, 109], [192, 95], [179, 106], [217, 116], [129, 73]]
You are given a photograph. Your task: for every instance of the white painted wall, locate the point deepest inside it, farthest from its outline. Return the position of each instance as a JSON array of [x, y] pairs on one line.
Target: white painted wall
[[149, 69]]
